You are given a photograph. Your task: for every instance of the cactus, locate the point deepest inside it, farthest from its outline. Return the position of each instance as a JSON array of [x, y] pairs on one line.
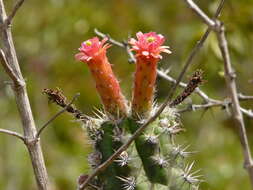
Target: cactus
[[155, 161]]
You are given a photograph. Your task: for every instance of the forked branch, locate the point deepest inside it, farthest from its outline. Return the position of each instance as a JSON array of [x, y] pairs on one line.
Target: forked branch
[[10, 63], [12, 133], [230, 76]]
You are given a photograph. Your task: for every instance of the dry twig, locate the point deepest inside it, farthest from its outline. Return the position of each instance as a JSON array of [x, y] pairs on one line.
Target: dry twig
[[11, 65], [219, 29], [14, 11], [56, 96], [12, 133], [56, 115]]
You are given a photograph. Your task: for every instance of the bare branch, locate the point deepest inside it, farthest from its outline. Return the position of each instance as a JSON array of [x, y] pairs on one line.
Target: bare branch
[[23, 103], [14, 11], [200, 13], [237, 114], [195, 49], [246, 112], [222, 104], [119, 44], [244, 97], [56, 96], [56, 115], [115, 42], [12, 133], [231, 84], [9, 70], [203, 95]]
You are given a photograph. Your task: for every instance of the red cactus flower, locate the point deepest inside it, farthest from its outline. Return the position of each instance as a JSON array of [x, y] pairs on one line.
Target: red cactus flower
[[93, 52], [148, 48]]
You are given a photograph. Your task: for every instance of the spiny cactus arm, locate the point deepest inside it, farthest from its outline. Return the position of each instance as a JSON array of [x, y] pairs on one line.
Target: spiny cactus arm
[[105, 146], [120, 174], [117, 153], [147, 146]]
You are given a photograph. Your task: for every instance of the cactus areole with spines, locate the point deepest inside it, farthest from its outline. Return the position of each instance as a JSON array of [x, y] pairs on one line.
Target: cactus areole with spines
[[93, 52], [148, 48]]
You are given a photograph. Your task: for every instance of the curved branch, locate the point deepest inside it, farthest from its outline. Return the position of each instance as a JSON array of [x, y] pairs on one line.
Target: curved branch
[[12, 133], [56, 115]]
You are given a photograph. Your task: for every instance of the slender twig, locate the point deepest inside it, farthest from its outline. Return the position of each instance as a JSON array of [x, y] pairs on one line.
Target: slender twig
[[23, 103], [199, 92], [56, 115], [202, 94], [9, 70], [222, 104], [246, 112], [200, 13], [231, 85], [209, 102], [56, 96], [14, 11], [244, 97], [194, 51], [12, 133]]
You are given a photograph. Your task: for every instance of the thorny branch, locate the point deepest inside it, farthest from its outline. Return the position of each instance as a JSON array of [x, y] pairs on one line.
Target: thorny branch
[[230, 76]]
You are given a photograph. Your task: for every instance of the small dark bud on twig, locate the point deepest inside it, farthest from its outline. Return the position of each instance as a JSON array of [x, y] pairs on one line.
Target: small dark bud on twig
[[194, 82], [56, 96]]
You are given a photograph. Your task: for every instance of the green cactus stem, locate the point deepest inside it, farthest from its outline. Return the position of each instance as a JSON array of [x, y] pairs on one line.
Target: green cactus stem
[[107, 145], [148, 151]]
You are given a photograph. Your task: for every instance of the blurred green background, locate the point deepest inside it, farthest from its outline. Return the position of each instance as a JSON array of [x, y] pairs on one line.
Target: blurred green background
[[47, 34]]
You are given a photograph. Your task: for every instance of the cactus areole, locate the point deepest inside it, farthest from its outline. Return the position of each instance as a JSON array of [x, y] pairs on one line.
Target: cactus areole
[[93, 52], [148, 48]]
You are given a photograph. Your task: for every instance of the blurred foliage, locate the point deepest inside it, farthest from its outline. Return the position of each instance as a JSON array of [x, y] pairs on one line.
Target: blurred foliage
[[47, 35]]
